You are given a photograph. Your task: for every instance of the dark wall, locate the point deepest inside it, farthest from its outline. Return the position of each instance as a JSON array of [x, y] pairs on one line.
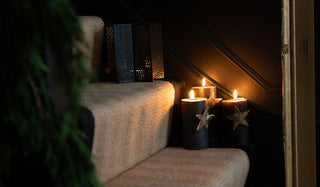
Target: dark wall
[[317, 82], [235, 45]]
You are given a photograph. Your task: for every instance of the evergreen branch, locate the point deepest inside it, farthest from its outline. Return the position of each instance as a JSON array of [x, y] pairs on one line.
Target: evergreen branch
[[36, 96]]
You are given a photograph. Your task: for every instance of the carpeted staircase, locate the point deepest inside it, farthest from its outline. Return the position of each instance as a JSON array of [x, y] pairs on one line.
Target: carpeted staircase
[[132, 125]]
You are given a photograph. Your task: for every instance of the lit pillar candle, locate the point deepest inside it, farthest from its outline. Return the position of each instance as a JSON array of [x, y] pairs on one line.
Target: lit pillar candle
[[193, 138], [234, 127], [204, 91]]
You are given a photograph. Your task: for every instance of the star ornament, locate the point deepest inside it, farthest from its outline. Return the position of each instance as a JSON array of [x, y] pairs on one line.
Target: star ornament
[[238, 117], [212, 101], [204, 119]]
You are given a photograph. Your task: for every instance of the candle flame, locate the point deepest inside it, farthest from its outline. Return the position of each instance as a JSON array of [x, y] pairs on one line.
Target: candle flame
[[235, 94], [191, 94], [203, 82]]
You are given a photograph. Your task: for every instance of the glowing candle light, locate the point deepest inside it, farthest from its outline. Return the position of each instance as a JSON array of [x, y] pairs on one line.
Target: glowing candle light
[[204, 91], [203, 82], [240, 102], [191, 95], [235, 94]]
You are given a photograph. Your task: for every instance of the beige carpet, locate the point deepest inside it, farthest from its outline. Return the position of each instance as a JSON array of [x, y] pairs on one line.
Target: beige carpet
[[131, 123], [180, 167]]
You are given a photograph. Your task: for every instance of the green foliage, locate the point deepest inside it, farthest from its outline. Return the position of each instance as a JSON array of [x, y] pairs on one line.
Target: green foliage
[[40, 143]]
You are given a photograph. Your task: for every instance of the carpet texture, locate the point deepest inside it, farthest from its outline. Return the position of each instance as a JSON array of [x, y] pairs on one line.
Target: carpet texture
[[131, 123], [180, 167]]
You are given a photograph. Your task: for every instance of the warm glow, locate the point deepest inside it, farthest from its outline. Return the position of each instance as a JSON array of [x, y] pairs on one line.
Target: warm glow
[[235, 94], [191, 94], [203, 82]]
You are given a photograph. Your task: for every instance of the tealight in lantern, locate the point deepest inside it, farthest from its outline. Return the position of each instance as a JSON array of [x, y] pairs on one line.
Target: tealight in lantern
[[190, 107], [235, 127], [204, 91]]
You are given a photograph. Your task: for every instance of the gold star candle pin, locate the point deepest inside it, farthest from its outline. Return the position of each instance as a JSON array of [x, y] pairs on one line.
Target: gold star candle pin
[[204, 119], [238, 117], [212, 101]]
